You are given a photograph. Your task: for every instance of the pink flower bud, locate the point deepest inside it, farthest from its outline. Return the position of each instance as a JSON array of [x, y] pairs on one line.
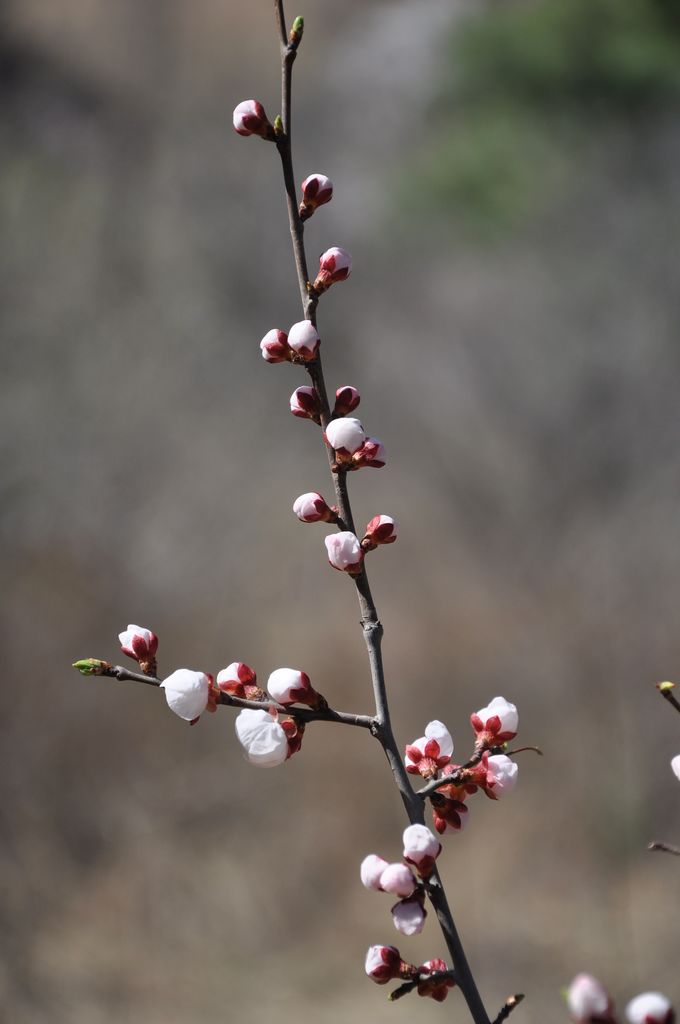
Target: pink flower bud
[[436, 989], [650, 1008], [383, 963], [397, 879], [344, 552], [371, 869], [239, 680], [372, 453], [431, 752], [380, 530], [588, 1001], [262, 737], [187, 693], [304, 340], [250, 119], [290, 686], [141, 645], [421, 848], [345, 436], [408, 917], [675, 765], [274, 346], [448, 815], [495, 724], [304, 402], [347, 399], [317, 190], [334, 265], [501, 776], [312, 508]]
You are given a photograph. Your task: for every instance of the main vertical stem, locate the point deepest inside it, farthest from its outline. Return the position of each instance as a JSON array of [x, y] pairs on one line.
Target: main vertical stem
[[371, 625]]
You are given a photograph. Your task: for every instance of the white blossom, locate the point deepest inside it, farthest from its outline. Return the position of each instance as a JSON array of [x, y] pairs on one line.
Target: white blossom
[[187, 693], [262, 737]]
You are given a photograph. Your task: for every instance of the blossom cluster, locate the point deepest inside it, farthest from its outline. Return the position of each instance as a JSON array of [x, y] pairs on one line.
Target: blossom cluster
[[268, 738], [489, 769], [589, 1002]]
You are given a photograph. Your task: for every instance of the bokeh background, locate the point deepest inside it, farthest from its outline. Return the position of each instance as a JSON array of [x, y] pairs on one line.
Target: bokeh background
[[507, 181]]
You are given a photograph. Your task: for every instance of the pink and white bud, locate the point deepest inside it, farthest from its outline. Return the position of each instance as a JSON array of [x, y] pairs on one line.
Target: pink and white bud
[[408, 917], [588, 1001], [425, 756], [675, 765], [372, 453], [347, 399], [262, 737], [501, 776], [650, 1008], [317, 190], [435, 989], [334, 265], [380, 530], [290, 686], [397, 879], [250, 119], [344, 552], [312, 508], [421, 848], [496, 723], [239, 680], [141, 645], [304, 340], [274, 347], [187, 693], [345, 436], [371, 870], [448, 815], [383, 963], [304, 402]]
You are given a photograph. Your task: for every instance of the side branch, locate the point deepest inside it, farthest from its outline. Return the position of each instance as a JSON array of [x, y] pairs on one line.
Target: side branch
[[301, 714]]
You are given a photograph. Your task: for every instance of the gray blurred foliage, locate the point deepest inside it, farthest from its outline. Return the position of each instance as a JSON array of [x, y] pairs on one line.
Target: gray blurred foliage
[[523, 372]]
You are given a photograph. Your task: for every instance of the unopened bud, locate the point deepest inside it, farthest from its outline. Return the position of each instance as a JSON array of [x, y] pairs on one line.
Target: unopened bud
[[334, 265], [304, 341], [380, 530], [317, 190], [290, 686], [501, 775], [588, 1001], [345, 436], [274, 346], [91, 666], [239, 680], [312, 508], [344, 552], [675, 765], [347, 399], [650, 1008], [187, 693], [297, 28], [250, 119], [383, 963], [372, 453], [437, 989], [262, 737], [304, 402], [425, 756], [141, 645], [397, 879], [421, 848], [408, 917], [371, 869], [495, 724]]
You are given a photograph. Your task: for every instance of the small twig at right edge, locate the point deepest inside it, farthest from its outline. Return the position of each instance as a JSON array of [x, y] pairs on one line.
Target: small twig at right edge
[[508, 1006], [665, 848]]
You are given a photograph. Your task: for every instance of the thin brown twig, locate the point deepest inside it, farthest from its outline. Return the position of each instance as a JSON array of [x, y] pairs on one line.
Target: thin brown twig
[[371, 625], [665, 848], [510, 1004], [666, 691], [457, 778]]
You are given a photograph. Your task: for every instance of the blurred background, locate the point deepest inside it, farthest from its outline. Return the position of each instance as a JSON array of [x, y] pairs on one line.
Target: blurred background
[[507, 181]]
